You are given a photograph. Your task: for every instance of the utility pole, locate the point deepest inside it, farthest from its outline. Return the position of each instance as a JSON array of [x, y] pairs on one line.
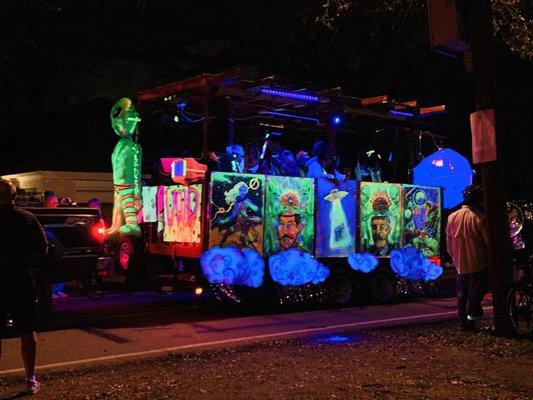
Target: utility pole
[[479, 20]]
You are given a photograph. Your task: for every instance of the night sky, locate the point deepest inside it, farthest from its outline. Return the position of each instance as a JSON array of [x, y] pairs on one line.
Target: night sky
[[64, 63]]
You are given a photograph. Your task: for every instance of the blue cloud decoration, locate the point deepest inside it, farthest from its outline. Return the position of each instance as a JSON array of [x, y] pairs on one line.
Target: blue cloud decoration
[[410, 263], [364, 262], [233, 266], [294, 267]]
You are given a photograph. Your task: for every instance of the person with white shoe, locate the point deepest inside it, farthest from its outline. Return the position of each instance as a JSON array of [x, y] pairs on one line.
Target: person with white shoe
[[22, 241]]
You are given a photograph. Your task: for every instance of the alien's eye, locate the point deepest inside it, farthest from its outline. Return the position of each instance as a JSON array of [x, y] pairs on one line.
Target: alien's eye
[[117, 112]]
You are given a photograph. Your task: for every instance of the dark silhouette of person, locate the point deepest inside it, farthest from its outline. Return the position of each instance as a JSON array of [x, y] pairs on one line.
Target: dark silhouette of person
[[22, 241]]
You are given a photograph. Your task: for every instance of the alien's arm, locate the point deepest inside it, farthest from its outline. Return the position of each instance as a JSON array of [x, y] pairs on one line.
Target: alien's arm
[[137, 170]]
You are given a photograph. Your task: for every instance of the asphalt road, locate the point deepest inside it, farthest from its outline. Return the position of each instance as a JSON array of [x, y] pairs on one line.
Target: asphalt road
[[129, 332]]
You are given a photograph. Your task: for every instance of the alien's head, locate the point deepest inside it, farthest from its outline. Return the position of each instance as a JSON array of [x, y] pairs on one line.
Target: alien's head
[[124, 117]]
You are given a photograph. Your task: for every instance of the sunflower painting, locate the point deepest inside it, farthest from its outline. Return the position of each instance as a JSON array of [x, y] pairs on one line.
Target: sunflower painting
[[380, 217], [289, 214]]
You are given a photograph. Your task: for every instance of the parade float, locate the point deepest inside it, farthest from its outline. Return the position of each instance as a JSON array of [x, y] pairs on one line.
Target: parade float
[[306, 238]]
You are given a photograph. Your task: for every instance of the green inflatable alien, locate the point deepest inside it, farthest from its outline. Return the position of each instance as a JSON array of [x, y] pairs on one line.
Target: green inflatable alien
[[126, 160]]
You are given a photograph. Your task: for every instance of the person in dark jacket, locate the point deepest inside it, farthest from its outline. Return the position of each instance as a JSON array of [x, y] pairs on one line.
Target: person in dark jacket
[[22, 241]]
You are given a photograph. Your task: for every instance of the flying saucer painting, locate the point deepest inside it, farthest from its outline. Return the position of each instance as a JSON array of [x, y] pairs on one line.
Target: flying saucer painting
[[336, 218]]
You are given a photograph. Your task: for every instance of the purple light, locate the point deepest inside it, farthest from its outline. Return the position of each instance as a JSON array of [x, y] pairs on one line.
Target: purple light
[[292, 116], [290, 95], [401, 113]]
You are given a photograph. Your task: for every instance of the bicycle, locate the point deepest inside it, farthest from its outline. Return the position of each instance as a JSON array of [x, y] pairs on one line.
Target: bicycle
[[520, 302]]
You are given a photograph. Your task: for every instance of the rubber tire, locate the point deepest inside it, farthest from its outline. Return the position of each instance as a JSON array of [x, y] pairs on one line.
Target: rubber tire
[[340, 287], [381, 286], [125, 253], [527, 294]]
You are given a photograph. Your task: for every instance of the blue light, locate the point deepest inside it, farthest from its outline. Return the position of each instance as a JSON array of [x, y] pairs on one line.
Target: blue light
[[448, 169], [401, 113], [233, 266], [292, 116], [294, 267], [410, 263], [337, 120], [364, 262], [289, 95], [334, 339]]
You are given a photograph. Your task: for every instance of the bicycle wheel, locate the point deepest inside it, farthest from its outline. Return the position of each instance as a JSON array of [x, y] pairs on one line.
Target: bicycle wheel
[[520, 304]]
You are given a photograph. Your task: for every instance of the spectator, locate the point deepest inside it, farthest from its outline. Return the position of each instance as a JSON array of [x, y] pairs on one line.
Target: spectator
[[302, 157], [369, 168], [270, 157], [322, 165], [52, 201], [467, 243], [94, 203], [233, 159], [22, 241], [251, 158], [289, 164]]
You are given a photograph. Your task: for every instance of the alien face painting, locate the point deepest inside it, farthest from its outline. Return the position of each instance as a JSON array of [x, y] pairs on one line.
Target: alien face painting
[[422, 218]]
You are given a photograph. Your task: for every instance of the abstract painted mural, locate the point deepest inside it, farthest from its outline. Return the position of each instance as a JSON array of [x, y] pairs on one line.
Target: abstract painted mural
[[149, 197], [183, 214], [289, 214], [335, 218], [236, 210], [422, 218], [380, 217]]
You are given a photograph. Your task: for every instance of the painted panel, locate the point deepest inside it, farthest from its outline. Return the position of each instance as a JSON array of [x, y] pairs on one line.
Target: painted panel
[[422, 218], [380, 217], [336, 218], [289, 214], [183, 214], [149, 196], [237, 210]]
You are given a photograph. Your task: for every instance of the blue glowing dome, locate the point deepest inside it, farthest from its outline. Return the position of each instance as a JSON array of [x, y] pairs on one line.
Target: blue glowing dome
[[448, 169]]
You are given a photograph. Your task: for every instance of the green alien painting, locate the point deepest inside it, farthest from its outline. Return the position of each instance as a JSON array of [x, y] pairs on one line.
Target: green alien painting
[[422, 218]]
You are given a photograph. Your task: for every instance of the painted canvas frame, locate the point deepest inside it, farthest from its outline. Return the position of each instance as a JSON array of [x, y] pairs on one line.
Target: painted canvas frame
[[422, 218], [289, 214], [335, 231], [380, 217], [183, 214], [236, 216]]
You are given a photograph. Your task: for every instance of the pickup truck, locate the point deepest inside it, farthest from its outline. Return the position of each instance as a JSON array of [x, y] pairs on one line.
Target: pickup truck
[[76, 248]]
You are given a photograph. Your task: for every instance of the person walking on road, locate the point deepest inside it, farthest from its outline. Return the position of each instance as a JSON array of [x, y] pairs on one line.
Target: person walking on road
[[467, 243], [22, 241]]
